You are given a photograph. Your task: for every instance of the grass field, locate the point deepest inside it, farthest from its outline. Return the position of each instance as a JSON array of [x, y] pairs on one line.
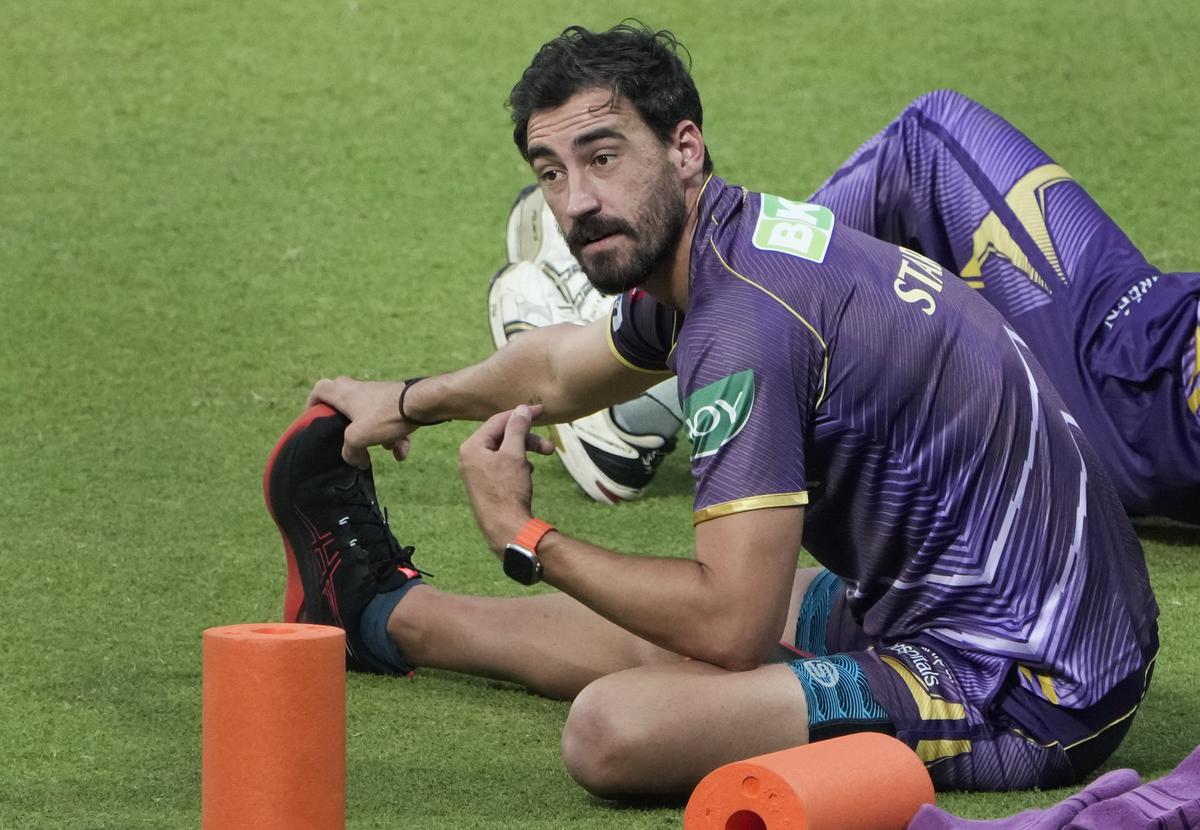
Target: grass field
[[206, 206]]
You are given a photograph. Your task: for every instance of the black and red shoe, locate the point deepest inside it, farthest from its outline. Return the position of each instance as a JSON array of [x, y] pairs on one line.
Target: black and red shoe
[[340, 550]]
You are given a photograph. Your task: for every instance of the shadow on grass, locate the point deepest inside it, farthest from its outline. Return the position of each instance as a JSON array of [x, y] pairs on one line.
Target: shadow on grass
[[638, 803], [1167, 532]]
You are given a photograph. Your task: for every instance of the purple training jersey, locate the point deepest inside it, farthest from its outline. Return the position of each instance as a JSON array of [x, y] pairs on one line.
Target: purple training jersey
[[943, 479], [1119, 338]]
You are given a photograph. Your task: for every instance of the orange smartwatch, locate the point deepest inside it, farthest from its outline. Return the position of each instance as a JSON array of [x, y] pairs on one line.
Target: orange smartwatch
[[520, 555]]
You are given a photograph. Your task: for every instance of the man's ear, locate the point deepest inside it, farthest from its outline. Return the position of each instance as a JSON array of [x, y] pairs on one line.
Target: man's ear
[[687, 150]]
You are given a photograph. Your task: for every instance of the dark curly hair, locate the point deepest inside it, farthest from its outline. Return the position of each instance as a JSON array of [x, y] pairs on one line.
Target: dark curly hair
[[630, 60]]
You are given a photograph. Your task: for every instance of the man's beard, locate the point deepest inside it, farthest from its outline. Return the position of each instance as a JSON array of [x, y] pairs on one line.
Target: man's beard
[[659, 222]]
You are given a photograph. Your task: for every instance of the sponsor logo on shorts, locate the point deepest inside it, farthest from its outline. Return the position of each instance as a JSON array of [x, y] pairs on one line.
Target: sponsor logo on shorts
[[823, 672], [924, 662], [796, 228], [714, 415]]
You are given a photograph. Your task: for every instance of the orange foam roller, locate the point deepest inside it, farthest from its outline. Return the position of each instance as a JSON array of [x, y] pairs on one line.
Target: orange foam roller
[[865, 781], [274, 742]]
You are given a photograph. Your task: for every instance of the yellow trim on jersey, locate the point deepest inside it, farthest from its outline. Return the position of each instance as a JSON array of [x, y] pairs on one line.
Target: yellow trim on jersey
[[703, 188], [1145, 673], [1197, 371], [1044, 681], [1107, 726], [1047, 684], [675, 326], [928, 706], [612, 347], [726, 508], [1081, 740], [1027, 200], [930, 751], [1194, 398], [794, 313]]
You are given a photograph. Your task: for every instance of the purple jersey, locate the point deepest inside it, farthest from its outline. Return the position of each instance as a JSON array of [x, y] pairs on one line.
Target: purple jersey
[[1117, 337], [944, 481]]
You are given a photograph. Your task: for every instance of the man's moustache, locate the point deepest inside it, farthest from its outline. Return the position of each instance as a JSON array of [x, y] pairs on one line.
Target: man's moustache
[[592, 229]]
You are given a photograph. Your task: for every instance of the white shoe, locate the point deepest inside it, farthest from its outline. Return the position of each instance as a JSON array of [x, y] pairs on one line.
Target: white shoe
[[543, 285], [533, 236], [609, 464], [525, 295]]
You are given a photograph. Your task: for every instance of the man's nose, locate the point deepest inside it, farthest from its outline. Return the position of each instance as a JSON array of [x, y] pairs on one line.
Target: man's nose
[[582, 200]]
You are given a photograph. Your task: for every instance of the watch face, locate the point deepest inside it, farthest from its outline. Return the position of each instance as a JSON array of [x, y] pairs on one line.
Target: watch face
[[522, 565]]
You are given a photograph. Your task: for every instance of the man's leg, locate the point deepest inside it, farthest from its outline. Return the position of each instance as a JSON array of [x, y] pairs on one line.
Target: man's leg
[[658, 730], [551, 643], [1118, 338]]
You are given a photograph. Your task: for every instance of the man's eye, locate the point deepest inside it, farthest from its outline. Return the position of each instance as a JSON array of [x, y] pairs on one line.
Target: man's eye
[[549, 175], [602, 159]]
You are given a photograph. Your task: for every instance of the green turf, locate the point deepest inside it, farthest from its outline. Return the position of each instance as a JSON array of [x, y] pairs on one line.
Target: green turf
[[206, 206]]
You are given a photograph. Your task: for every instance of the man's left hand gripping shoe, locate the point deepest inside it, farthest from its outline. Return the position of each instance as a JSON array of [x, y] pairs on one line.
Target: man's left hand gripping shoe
[[340, 550]]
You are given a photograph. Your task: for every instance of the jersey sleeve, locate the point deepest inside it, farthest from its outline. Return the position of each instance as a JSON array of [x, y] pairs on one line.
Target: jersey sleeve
[[749, 403], [642, 332]]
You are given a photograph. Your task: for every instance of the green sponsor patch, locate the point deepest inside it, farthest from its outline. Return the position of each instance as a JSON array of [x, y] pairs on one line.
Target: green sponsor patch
[[795, 228], [715, 414]]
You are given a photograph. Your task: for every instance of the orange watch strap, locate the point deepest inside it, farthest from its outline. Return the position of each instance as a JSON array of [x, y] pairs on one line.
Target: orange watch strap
[[532, 533]]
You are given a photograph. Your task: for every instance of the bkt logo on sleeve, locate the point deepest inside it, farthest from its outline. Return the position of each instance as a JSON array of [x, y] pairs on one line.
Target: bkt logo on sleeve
[[715, 414]]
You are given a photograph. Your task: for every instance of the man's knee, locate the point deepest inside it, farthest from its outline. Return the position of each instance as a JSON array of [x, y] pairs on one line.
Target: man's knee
[[601, 739], [940, 103]]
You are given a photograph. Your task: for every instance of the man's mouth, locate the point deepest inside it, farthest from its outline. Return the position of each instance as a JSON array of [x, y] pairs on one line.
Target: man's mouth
[[600, 242]]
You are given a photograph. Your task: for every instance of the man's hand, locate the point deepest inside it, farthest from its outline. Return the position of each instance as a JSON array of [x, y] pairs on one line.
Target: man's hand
[[373, 410], [498, 475]]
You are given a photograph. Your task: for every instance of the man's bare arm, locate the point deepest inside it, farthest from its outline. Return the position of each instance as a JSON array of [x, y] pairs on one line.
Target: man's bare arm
[[568, 371], [725, 607]]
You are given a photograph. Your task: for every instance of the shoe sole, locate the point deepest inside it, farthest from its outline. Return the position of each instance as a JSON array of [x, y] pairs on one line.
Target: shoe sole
[[293, 597], [581, 468]]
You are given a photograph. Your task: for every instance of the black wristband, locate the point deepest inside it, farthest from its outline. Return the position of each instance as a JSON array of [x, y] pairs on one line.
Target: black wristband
[[408, 383]]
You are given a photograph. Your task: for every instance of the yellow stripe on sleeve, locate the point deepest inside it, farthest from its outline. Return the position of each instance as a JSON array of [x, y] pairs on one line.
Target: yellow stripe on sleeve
[[726, 508], [612, 347]]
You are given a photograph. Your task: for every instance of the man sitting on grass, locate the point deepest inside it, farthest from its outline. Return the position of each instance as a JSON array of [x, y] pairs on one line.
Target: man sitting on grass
[[983, 597]]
